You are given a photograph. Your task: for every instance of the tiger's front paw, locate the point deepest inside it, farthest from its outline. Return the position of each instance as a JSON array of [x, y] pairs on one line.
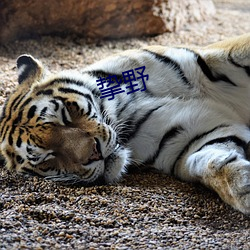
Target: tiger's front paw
[[231, 180], [115, 164]]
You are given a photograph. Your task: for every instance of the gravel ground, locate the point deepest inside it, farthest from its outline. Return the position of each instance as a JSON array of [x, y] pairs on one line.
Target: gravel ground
[[144, 211]]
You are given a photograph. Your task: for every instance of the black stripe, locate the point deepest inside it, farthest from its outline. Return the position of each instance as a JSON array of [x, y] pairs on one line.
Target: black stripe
[[56, 105], [96, 92], [206, 70], [45, 92], [31, 112], [109, 137], [10, 139], [3, 134], [231, 60], [70, 91], [13, 128], [10, 109], [17, 101], [77, 83], [232, 138], [138, 124], [67, 81], [26, 103], [19, 118], [195, 139], [16, 121], [29, 149], [89, 109], [122, 106], [169, 135], [73, 91], [43, 111], [19, 159], [9, 153], [4, 123], [19, 142], [103, 74], [213, 77], [34, 158], [94, 116], [173, 64], [64, 117], [3, 127], [21, 131], [232, 160], [42, 114]]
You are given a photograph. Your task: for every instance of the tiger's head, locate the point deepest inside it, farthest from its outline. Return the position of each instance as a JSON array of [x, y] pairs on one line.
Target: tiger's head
[[52, 126]]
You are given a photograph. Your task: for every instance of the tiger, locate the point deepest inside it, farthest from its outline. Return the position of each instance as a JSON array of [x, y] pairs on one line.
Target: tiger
[[185, 114]]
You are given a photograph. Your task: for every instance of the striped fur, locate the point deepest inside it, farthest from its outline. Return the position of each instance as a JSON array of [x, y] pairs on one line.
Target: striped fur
[[192, 121]]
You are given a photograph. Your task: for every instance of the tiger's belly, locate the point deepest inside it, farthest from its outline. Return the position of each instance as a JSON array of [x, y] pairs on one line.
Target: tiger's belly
[[170, 130]]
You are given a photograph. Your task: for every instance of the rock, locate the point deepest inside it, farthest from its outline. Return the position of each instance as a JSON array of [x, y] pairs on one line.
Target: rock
[[97, 19]]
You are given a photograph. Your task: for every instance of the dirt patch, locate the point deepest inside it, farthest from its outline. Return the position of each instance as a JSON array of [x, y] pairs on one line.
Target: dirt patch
[[146, 210]]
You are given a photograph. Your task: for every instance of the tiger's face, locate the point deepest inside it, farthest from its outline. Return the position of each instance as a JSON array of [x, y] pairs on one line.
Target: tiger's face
[[52, 127]]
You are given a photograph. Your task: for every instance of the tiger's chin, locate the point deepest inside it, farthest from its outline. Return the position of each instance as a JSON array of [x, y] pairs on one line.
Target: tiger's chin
[[115, 164], [108, 171]]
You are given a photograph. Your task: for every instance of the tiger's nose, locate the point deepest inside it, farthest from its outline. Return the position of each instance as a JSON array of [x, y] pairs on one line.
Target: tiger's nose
[[96, 153]]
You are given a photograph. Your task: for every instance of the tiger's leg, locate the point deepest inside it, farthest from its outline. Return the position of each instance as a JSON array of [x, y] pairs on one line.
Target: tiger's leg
[[223, 168]]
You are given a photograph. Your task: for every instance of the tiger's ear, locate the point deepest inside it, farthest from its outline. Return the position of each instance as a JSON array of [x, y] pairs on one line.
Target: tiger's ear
[[30, 70]]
